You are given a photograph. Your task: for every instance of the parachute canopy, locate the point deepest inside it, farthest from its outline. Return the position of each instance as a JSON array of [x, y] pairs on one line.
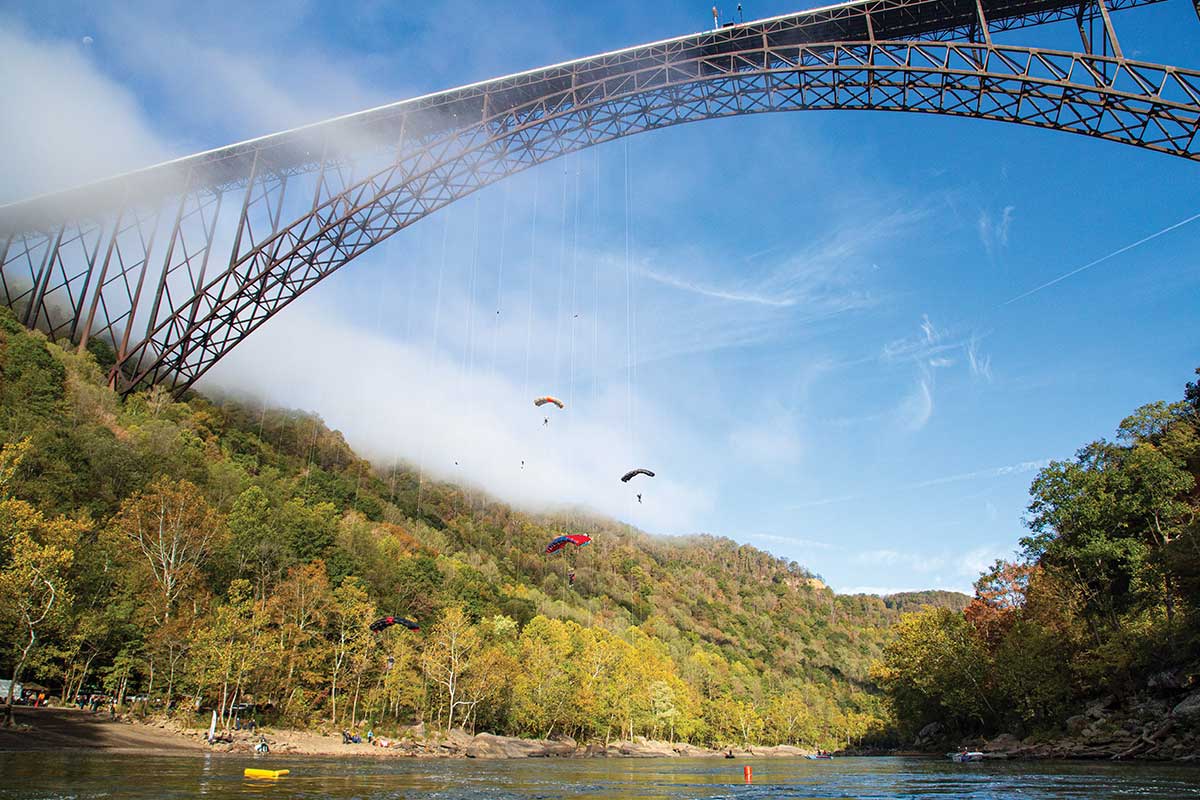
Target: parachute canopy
[[577, 539], [628, 476], [387, 622], [541, 401]]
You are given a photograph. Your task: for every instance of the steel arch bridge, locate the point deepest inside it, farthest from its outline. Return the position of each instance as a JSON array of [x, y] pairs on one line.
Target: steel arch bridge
[[176, 264]]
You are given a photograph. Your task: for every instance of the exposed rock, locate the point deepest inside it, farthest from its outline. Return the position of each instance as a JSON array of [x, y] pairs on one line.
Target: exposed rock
[[1167, 680], [692, 751], [778, 751], [644, 748], [1004, 743], [929, 734], [595, 750], [561, 746], [1097, 709], [1077, 723], [1189, 708], [487, 745]]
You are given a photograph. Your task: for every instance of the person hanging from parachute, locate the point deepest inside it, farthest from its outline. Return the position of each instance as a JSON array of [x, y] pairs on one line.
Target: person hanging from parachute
[[560, 542], [548, 400], [382, 624], [633, 473]]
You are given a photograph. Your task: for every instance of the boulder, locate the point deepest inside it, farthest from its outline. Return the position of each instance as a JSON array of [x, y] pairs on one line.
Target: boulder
[[929, 734], [455, 741], [560, 746], [487, 745], [692, 751], [644, 748], [595, 750], [1167, 680], [1077, 723], [1004, 743], [782, 751], [1098, 709], [1188, 708]]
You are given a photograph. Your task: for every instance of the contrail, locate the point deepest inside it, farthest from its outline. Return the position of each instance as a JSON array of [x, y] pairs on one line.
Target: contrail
[[994, 472], [1102, 259]]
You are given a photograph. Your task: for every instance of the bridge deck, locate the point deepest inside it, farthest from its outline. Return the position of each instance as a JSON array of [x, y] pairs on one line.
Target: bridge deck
[[305, 148]]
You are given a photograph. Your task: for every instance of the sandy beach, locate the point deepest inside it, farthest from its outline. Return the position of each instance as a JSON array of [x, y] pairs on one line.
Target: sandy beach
[[55, 729]]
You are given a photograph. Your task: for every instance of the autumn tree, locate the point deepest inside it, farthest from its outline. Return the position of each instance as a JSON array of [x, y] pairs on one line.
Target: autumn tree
[[172, 530], [448, 658]]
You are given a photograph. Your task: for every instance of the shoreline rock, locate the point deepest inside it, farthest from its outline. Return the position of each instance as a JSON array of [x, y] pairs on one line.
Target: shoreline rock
[[1146, 727]]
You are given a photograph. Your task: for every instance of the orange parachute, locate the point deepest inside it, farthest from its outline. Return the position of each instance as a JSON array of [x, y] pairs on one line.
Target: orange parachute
[[541, 401]]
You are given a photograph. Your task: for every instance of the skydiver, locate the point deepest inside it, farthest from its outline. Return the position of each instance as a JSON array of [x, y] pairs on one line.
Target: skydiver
[[639, 498], [545, 421], [571, 578]]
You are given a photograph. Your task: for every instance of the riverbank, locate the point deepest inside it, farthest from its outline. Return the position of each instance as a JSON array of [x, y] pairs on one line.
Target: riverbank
[[1147, 727], [45, 729]]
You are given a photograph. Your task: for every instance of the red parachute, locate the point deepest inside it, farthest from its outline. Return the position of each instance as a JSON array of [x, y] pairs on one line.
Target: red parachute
[[541, 401], [577, 539]]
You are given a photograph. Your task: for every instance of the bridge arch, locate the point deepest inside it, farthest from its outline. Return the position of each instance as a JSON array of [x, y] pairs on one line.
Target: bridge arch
[[452, 144]]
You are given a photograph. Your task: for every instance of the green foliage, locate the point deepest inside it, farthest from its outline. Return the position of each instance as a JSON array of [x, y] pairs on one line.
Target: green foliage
[[278, 544]]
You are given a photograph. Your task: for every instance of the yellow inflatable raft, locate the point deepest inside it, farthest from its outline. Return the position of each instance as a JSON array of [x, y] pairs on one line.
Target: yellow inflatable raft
[[265, 773]]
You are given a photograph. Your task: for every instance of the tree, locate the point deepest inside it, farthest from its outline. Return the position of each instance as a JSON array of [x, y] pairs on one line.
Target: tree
[[33, 584], [935, 669], [261, 545], [447, 658], [350, 614], [300, 608], [173, 529], [543, 688], [999, 594]]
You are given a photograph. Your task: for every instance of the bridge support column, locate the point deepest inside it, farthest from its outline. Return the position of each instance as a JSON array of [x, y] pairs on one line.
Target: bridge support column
[[983, 23], [38, 291], [1109, 31]]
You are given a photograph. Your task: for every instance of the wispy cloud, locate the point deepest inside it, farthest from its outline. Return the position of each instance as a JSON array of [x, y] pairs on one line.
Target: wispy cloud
[[993, 230], [917, 408], [981, 365], [1102, 259]]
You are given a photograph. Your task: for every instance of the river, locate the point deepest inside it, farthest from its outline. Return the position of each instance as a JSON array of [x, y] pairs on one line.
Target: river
[[64, 776]]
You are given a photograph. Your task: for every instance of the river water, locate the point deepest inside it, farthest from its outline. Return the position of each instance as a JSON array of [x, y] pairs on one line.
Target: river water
[[95, 775]]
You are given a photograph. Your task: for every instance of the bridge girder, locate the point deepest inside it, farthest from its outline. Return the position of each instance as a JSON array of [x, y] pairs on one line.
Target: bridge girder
[[445, 147]]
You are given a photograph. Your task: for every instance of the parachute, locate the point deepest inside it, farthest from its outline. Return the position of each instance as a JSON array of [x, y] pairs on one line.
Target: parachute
[[577, 539], [628, 476], [541, 401], [387, 622]]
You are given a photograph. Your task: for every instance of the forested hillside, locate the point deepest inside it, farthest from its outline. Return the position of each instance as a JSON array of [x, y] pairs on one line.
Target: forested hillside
[[1103, 605], [206, 554]]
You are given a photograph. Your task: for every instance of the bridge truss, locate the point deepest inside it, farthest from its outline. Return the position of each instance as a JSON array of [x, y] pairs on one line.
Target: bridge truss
[[174, 265]]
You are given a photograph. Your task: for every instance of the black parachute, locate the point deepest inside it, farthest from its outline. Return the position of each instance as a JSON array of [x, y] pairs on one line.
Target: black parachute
[[628, 476], [387, 622]]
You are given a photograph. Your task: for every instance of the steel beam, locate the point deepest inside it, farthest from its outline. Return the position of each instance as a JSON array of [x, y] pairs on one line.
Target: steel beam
[[397, 164]]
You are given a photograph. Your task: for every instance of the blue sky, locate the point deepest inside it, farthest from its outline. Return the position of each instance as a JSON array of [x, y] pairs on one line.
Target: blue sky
[[819, 356]]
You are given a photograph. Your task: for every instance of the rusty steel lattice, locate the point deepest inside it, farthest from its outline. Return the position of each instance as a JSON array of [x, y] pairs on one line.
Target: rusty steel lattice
[[155, 265]]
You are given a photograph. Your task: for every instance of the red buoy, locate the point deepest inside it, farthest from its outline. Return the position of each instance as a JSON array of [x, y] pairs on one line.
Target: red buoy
[[748, 773]]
